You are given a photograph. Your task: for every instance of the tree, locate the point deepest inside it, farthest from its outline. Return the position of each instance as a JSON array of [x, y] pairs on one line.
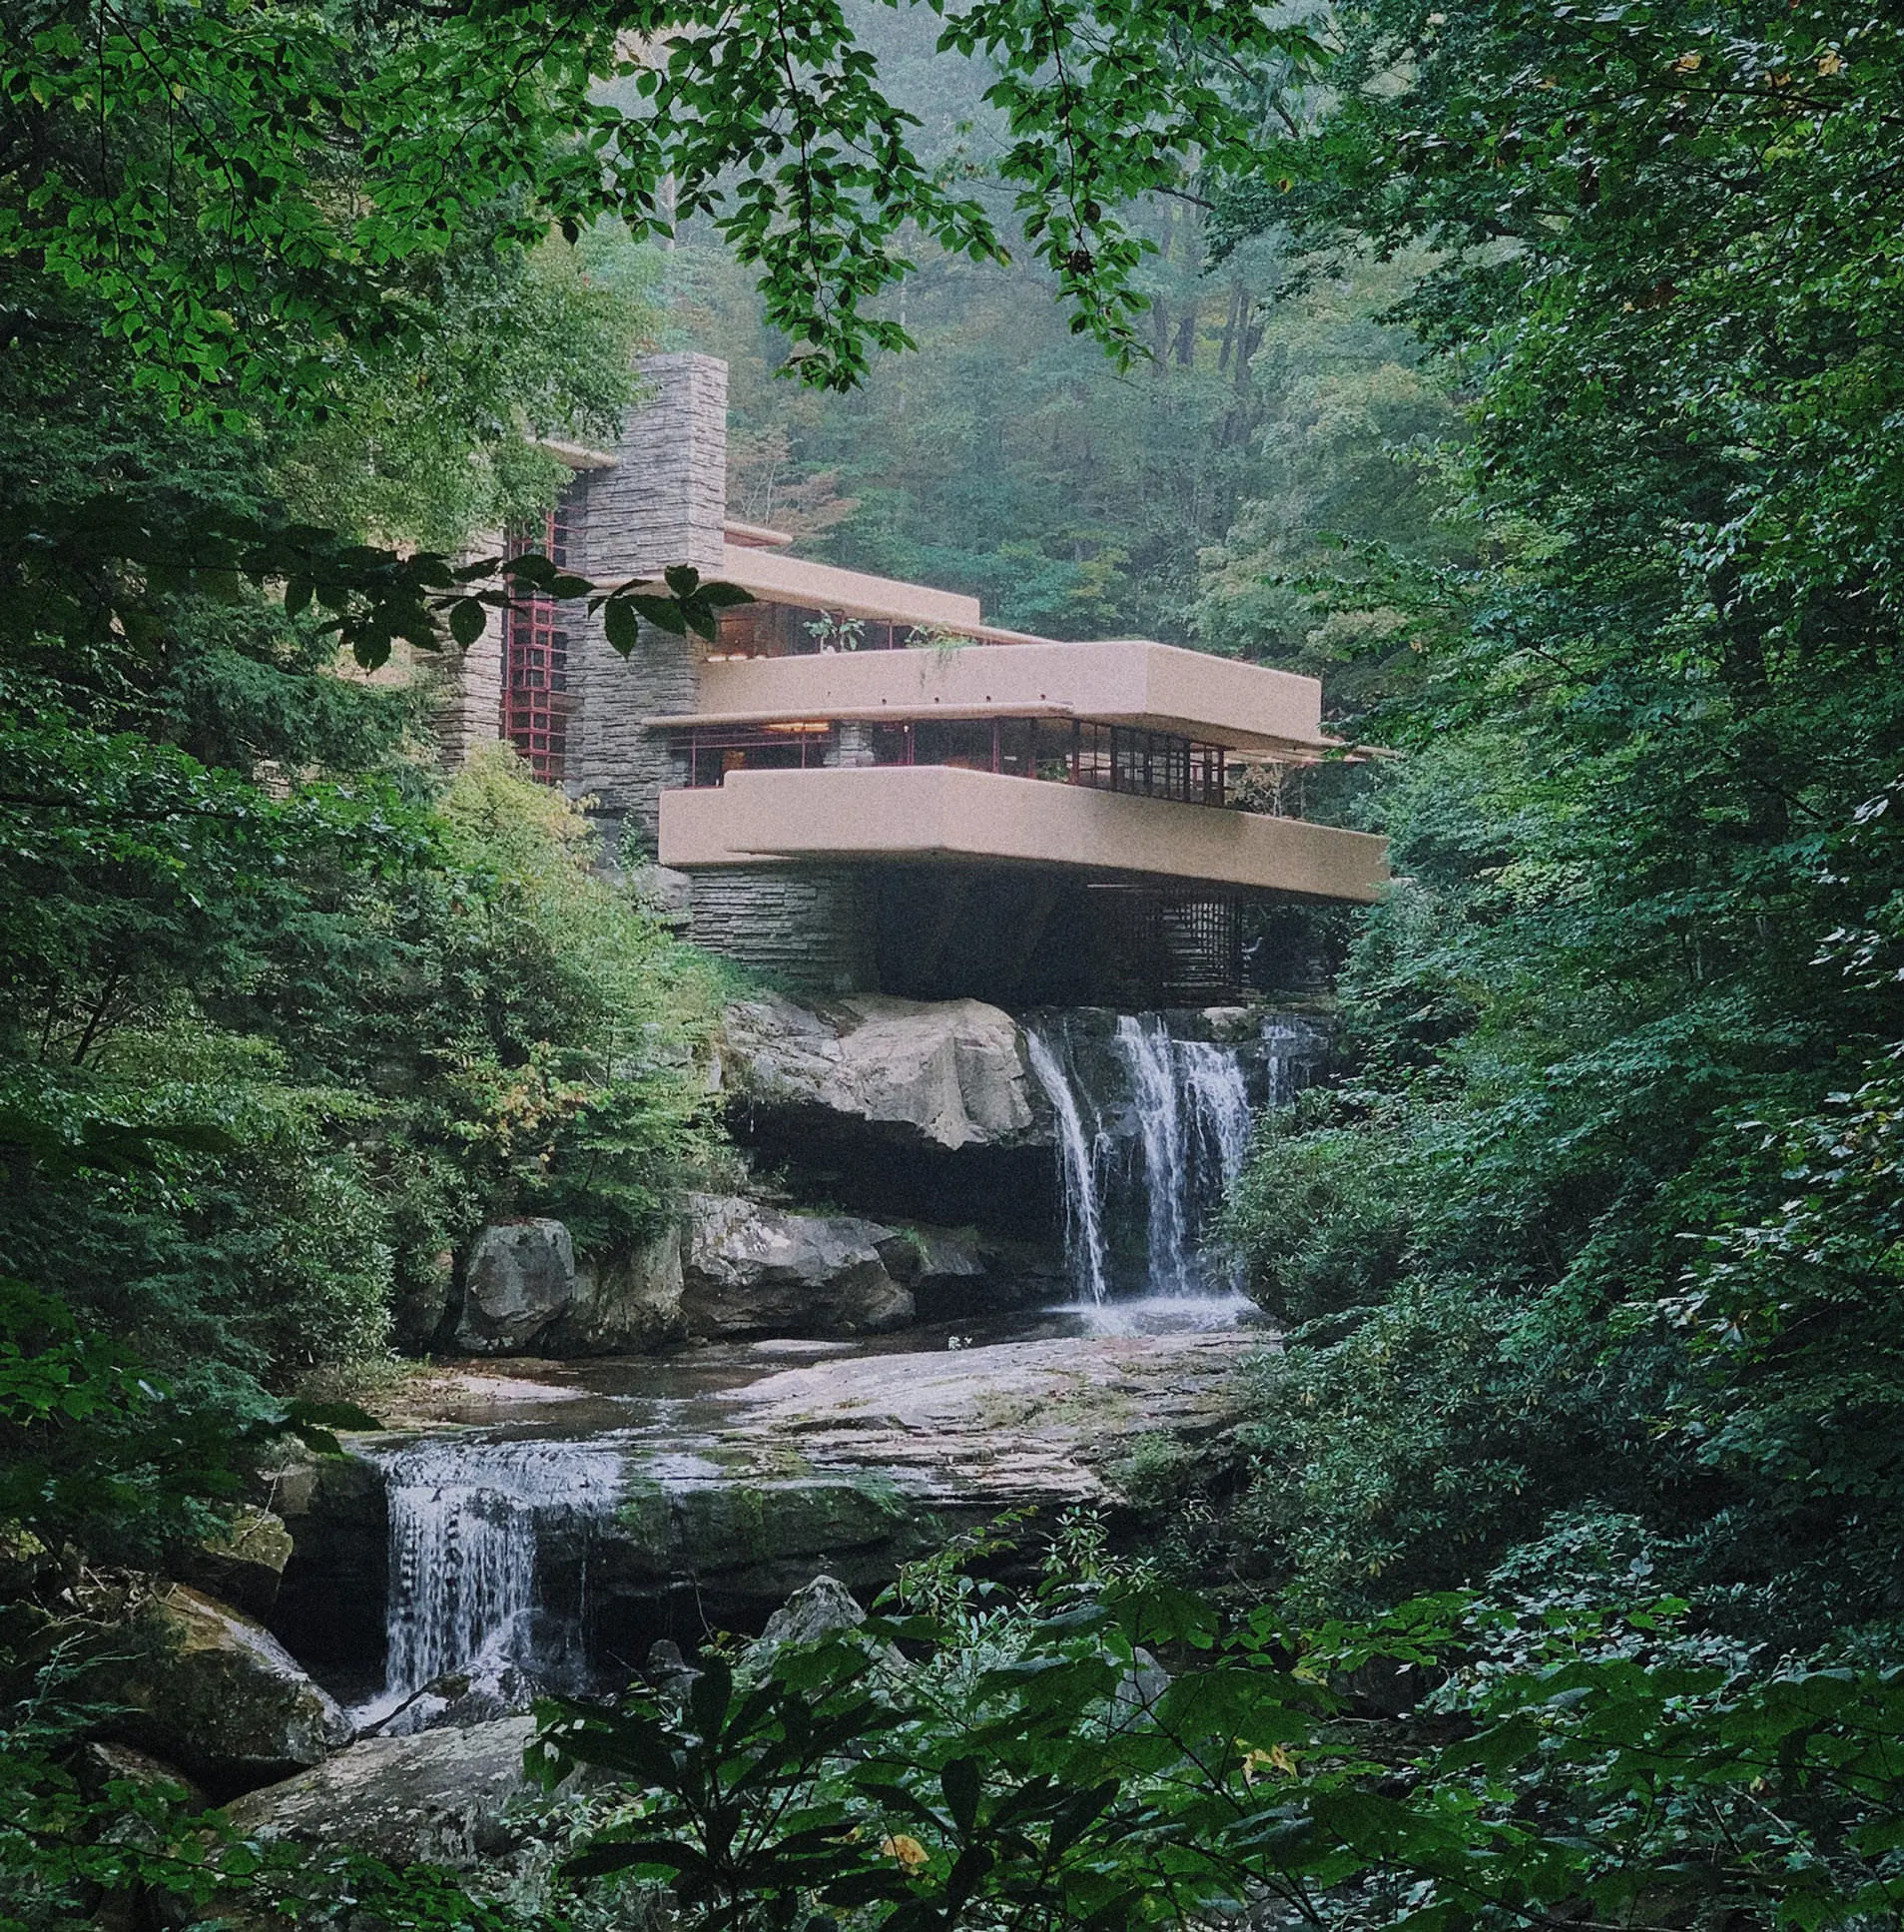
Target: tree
[[1649, 733]]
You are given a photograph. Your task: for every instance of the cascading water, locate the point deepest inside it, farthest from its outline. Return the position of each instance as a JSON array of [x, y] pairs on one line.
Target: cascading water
[[1224, 1123], [1157, 1089], [1149, 1140], [1289, 1050], [1083, 1212], [1221, 1102], [469, 1523]]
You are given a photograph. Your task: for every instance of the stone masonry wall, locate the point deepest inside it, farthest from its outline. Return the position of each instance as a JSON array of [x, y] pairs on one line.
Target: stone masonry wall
[[469, 708], [854, 745], [808, 927], [663, 503]]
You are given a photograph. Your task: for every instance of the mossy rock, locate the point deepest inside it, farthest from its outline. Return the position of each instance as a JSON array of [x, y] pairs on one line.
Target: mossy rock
[[753, 1535], [210, 1689], [243, 1562]]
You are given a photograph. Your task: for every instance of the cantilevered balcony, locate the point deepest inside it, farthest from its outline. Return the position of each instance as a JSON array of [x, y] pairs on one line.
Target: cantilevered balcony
[[904, 815], [1133, 683]]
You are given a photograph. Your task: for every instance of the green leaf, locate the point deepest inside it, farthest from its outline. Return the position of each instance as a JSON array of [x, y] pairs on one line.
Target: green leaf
[[621, 625], [961, 1783], [662, 612], [467, 622]]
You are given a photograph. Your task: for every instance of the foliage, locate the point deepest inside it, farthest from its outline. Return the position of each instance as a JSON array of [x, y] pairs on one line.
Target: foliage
[[284, 195], [1586, 1227], [96, 1456], [518, 347], [1007, 460], [151, 899], [73, 1845], [1590, 1264], [396, 1039], [237, 1088], [991, 1762], [1107, 1752], [562, 1020]]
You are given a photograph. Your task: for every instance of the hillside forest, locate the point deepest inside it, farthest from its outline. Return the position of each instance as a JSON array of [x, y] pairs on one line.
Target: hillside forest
[[1530, 374]]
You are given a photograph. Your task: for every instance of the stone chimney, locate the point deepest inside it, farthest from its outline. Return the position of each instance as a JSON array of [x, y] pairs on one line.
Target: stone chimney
[[663, 502], [666, 498]]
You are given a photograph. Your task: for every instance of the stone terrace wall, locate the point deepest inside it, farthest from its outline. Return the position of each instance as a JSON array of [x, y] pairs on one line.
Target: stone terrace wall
[[469, 705], [808, 927]]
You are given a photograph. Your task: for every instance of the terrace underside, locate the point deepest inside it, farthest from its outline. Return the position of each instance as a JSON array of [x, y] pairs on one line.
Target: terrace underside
[[1017, 936], [938, 883]]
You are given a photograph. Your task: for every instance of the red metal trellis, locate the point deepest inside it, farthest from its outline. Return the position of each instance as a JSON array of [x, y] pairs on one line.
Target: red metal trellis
[[535, 702]]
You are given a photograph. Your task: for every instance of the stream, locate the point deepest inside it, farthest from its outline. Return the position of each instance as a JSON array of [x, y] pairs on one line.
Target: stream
[[540, 1525]]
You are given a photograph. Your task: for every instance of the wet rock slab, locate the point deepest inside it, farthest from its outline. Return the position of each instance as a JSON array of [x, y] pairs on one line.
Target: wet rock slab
[[1018, 1424], [857, 1464], [726, 1481], [441, 1797]]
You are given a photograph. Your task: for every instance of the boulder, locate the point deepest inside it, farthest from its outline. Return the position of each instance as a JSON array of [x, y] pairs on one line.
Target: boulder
[[957, 1273], [423, 1302], [947, 1074], [623, 1304], [664, 893], [819, 1610], [521, 1275], [438, 1797], [208, 1690], [735, 1540], [243, 1562], [491, 1687], [104, 1761], [750, 1269], [935, 1255]]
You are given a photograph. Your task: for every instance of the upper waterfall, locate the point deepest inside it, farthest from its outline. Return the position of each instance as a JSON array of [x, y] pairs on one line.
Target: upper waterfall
[[1151, 1130]]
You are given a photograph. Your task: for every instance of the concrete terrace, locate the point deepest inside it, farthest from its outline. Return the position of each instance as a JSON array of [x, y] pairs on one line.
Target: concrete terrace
[[863, 785]]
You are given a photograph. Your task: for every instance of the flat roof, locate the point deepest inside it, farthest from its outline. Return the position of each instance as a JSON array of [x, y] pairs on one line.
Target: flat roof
[[776, 578], [755, 536]]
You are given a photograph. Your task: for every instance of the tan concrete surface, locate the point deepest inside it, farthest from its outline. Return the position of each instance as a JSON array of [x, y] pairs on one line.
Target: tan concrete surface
[[1154, 687], [905, 813], [780, 579]]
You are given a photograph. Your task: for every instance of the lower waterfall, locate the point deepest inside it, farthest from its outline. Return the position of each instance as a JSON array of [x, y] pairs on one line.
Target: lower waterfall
[[1151, 1132], [469, 1520]]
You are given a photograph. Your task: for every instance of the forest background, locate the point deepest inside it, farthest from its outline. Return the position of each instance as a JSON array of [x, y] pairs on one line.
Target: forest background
[[1530, 372]]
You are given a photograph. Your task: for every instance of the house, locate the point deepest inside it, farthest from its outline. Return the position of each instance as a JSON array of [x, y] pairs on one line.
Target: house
[[867, 787]]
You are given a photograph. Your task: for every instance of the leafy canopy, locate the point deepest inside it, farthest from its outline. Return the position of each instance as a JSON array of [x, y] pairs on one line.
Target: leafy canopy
[[278, 195]]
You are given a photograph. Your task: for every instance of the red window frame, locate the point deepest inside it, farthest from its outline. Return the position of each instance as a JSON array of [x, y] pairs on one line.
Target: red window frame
[[536, 706]]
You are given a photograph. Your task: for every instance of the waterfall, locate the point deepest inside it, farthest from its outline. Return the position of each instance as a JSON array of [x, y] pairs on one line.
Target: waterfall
[[1152, 1131], [1083, 1212], [1221, 1102], [469, 1522], [1289, 1051], [1157, 1089]]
